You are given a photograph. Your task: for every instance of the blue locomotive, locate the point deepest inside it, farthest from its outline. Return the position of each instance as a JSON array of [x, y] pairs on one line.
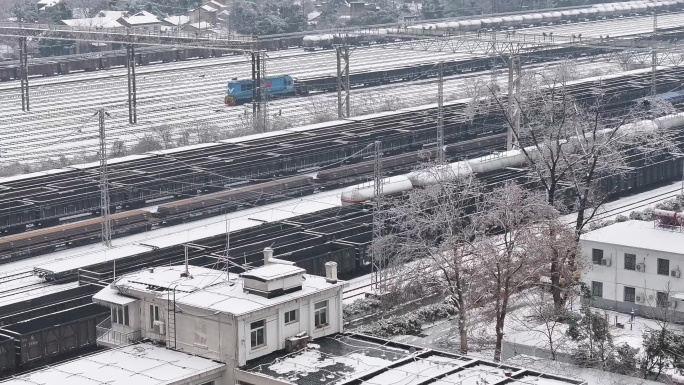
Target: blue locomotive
[[241, 91]]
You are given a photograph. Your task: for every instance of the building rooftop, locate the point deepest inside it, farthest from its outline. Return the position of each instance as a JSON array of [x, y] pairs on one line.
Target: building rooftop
[[271, 272], [140, 18], [354, 359], [638, 234], [213, 290], [93, 22], [134, 364], [177, 20]]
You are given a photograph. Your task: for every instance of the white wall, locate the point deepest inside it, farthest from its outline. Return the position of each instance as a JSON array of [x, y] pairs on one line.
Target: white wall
[[615, 278], [277, 331]]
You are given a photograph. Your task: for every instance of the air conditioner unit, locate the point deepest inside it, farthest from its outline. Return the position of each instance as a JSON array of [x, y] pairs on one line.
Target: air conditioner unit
[[673, 304], [159, 327], [640, 298], [641, 267], [605, 262], [675, 273]]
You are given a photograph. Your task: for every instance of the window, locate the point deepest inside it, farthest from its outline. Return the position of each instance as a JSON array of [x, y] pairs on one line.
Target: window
[[629, 294], [291, 316], [120, 315], [662, 299], [630, 261], [597, 289], [663, 266], [258, 333], [154, 315], [596, 256], [321, 314]]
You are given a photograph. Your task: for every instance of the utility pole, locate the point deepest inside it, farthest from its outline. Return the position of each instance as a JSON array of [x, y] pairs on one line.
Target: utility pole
[[654, 54], [343, 106], [440, 113], [513, 108], [132, 97], [263, 100], [23, 73], [377, 257], [104, 183]]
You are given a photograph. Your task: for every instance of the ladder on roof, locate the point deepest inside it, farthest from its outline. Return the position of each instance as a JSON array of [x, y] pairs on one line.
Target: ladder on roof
[[171, 320]]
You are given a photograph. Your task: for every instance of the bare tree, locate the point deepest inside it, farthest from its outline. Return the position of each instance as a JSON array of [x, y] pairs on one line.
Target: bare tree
[[431, 233], [321, 110], [118, 149], [571, 146], [165, 135], [88, 8], [510, 220], [663, 345]]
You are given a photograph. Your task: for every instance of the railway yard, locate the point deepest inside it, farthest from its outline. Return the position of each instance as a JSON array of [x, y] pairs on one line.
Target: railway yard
[[302, 188], [179, 97]]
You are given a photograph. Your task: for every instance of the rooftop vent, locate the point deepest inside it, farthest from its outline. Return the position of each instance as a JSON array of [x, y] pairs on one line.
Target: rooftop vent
[[273, 280], [331, 272]]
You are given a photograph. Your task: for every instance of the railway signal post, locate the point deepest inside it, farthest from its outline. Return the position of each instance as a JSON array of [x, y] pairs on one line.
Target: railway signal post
[[130, 66], [377, 257], [343, 105], [23, 75], [514, 68], [440, 113], [104, 182]]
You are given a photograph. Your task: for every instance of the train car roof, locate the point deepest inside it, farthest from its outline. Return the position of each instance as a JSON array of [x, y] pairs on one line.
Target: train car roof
[[111, 161], [34, 174], [184, 148]]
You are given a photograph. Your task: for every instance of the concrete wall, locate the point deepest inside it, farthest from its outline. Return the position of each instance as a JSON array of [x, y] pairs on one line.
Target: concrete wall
[[615, 277]]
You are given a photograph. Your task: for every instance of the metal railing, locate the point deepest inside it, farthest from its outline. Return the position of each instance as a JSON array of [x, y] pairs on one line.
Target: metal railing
[[106, 335]]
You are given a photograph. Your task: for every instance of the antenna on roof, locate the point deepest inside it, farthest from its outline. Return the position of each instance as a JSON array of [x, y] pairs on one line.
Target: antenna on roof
[[186, 273]]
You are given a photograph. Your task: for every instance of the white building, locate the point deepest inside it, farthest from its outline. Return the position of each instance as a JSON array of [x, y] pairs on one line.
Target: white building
[[222, 316], [142, 21], [636, 265]]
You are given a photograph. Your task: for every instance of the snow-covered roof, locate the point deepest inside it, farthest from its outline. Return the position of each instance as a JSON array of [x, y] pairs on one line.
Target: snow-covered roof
[[271, 272], [208, 8], [215, 290], [343, 359], [134, 364], [140, 18], [313, 15], [638, 234], [93, 22], [217, 5], [111, 14], [110, 295], [203, 25], [48, 3], [178, 20]]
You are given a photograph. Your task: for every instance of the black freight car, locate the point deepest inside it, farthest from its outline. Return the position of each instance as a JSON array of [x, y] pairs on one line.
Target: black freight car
[[41, 339], [47, 304], [7, 360]]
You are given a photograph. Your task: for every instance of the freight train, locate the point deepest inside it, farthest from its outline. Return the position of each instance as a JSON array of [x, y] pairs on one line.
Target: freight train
[[636, 179], [596, 12], [27, 244], [45, 199], [41, 340], [62, 65], [242, 91]]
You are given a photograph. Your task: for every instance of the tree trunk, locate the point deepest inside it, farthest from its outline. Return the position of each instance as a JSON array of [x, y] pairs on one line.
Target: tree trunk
[[499, 339], [463, 331]]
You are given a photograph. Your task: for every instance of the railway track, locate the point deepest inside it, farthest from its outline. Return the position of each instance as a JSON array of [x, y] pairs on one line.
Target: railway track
[[180, 112]]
